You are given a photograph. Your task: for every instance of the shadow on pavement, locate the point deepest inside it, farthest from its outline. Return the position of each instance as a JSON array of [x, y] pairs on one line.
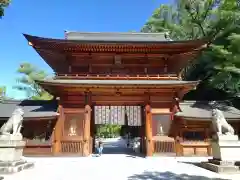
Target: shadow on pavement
[[148, 175]]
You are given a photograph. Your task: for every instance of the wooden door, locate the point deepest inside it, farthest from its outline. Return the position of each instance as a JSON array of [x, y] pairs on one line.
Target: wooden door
[[72, 133]]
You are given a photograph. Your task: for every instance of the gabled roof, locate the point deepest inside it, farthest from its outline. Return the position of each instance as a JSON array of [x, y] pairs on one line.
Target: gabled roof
[[32, 108], [57, 53], [201, 110]]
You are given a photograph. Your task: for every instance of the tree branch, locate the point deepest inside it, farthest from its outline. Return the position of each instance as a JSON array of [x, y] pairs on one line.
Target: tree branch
[[194, 20]]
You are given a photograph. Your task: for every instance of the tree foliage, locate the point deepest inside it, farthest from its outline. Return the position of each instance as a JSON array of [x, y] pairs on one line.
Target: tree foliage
[[27, 82], [108, 131], [3, 5], [216, 20]]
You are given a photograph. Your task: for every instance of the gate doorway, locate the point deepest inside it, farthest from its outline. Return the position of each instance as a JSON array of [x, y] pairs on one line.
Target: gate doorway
[[120, 128]]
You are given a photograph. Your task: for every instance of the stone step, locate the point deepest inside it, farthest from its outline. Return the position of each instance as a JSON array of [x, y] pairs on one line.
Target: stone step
[[15, 168], [222, 163], [11, 163], [228, 169]]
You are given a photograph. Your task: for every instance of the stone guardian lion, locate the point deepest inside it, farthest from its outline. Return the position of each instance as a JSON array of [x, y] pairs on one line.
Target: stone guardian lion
[[14, 124], [220, 125]]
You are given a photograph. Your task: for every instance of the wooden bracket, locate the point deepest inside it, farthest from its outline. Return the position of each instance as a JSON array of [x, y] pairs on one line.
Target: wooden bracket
[[88, 97], [147, 97], [165, 65], [148, 108], [179, 93], [88, 108], [69, 63], [176, 101]]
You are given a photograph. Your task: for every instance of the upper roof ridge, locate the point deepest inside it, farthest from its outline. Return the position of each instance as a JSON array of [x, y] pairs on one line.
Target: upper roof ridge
[[110, 33], [117, 36]]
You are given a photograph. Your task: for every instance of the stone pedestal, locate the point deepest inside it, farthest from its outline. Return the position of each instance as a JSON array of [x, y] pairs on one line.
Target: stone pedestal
[[10, 156], [227, 167], [225, 150]]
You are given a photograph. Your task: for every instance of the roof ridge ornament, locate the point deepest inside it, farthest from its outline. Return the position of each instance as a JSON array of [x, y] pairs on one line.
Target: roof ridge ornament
[[167, 36]]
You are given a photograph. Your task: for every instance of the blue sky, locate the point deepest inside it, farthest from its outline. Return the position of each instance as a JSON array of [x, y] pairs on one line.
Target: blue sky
[[49, 18]]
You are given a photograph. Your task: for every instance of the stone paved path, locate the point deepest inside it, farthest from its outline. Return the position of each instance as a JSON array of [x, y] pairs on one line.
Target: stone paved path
[[114, 167]]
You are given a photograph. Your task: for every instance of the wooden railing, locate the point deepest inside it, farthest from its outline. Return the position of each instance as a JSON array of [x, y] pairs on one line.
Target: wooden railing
[[33, 148], [164, 147], [115, 76], [75, 147], [193, 148], [164, 144]]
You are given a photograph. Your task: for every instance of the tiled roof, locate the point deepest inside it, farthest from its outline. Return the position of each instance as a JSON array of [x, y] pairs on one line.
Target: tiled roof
[[32, 108], [202, 110]]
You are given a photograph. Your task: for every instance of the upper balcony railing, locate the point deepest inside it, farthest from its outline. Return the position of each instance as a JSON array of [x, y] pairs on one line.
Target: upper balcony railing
[[118, 77]]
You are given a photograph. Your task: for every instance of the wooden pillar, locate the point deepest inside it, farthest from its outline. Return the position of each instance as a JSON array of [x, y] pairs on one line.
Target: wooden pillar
[[143, 144], [148, 131], [92, 129], [57, 131], [87, 147], [86, 135]]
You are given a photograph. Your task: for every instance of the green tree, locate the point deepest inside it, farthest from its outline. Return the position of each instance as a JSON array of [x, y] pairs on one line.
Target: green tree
[[26, 82], [195, 19], [3, 5], [108, 130], [2, 92], [227, 69]]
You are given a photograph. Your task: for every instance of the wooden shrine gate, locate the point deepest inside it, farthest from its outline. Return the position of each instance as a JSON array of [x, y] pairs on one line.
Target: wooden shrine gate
[[129, 117], [75, 132]]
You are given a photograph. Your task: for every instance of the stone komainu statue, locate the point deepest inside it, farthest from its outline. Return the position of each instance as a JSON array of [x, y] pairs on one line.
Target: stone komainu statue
[[220, 125], [14, 123]]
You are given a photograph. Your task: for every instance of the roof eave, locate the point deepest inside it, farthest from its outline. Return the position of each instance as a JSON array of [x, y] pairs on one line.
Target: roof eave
[[34, 118], [204, 118], [52, 83], [31, 39]]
